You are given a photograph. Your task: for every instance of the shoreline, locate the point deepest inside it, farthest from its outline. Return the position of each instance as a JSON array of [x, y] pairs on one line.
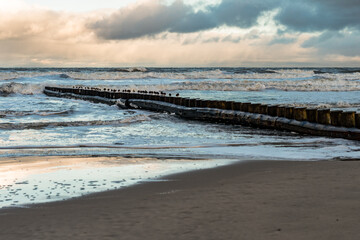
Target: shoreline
[[33, 180], [246, 200]]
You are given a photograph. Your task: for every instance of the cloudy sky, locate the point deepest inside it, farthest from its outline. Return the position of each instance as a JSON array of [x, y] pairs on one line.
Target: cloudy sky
[[100, 33]]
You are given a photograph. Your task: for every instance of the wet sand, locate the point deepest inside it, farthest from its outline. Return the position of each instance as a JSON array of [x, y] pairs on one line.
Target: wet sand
[[253, 200]]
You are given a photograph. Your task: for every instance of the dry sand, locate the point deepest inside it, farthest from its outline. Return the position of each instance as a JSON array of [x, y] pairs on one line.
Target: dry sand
[[253, 200]]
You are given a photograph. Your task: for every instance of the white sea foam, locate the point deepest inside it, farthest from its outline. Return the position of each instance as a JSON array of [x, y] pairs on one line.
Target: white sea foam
[[21, 88], [133, 69], [9, 113], [310, 85], [14, 75], [340, 104], [212, 74], [283, 80], [180, 74], [40, 125], [321, 85]]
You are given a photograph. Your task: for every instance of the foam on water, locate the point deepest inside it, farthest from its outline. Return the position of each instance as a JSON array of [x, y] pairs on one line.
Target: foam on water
[[21, 88], [318, 85], [335, 105], [179, 73], [314, 85], [33, 82], [10, 113], [39, 125]]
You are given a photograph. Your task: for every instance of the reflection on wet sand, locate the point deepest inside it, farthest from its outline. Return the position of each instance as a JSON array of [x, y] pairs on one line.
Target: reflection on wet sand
[[27, 180]]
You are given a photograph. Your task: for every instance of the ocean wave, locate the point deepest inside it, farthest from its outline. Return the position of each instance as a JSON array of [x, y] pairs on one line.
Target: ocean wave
[[9, 113], [313, 85], [41, 125], [213, 79], [182, 73], [320, 85], [15, 75], [133, 69], [337, 70], [340, 104], [216, 74], [21, 88], [63, 75], [123, 74]]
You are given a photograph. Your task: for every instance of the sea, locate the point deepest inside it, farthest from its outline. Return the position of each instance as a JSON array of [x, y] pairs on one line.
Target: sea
[[53, 149]]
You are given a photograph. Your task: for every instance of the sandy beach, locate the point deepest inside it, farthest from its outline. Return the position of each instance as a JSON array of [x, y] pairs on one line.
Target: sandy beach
[[252, 200]]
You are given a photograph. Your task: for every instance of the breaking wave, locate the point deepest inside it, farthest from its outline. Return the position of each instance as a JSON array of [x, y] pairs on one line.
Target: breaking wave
[[320, 85], [195, 74], [181, 73], [133, 69], [203, 74], [40, 125], [14, 75], [21, 88], [202, 79]]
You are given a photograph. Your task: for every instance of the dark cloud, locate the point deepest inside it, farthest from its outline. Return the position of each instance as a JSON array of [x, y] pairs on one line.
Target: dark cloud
[[153, 17], [243, 13], [193, 22], [338, 43], [319, 15], [148, 18]]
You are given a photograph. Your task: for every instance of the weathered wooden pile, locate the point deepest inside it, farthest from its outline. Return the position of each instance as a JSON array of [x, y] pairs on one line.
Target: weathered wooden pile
[[324, 122]]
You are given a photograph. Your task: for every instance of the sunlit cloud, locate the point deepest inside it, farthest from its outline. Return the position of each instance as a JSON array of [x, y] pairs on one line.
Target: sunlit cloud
[[182, 33], [152, 17]]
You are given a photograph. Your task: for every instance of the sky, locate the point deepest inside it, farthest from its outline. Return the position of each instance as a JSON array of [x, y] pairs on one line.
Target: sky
[[179, 33]]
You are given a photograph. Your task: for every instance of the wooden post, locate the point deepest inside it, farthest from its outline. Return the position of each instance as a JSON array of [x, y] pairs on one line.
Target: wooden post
[[348, 119], [280, 112], [263, 109], [237, 106], [289, 112], [192, 102], [245, 106], [357, 120], [300, 114], [222, 105], [211, 104], [272, 110], [311, 114], [323, 116], [254, 108], [178, 100], [228, 105], [335, 116]]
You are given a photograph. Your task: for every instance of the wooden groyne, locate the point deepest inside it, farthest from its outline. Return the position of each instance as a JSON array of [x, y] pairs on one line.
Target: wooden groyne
[[322, 122]]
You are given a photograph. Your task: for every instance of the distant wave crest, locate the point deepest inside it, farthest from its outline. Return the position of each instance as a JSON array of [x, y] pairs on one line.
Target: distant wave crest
[[320, 85], [133, 69], [179, 73]]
